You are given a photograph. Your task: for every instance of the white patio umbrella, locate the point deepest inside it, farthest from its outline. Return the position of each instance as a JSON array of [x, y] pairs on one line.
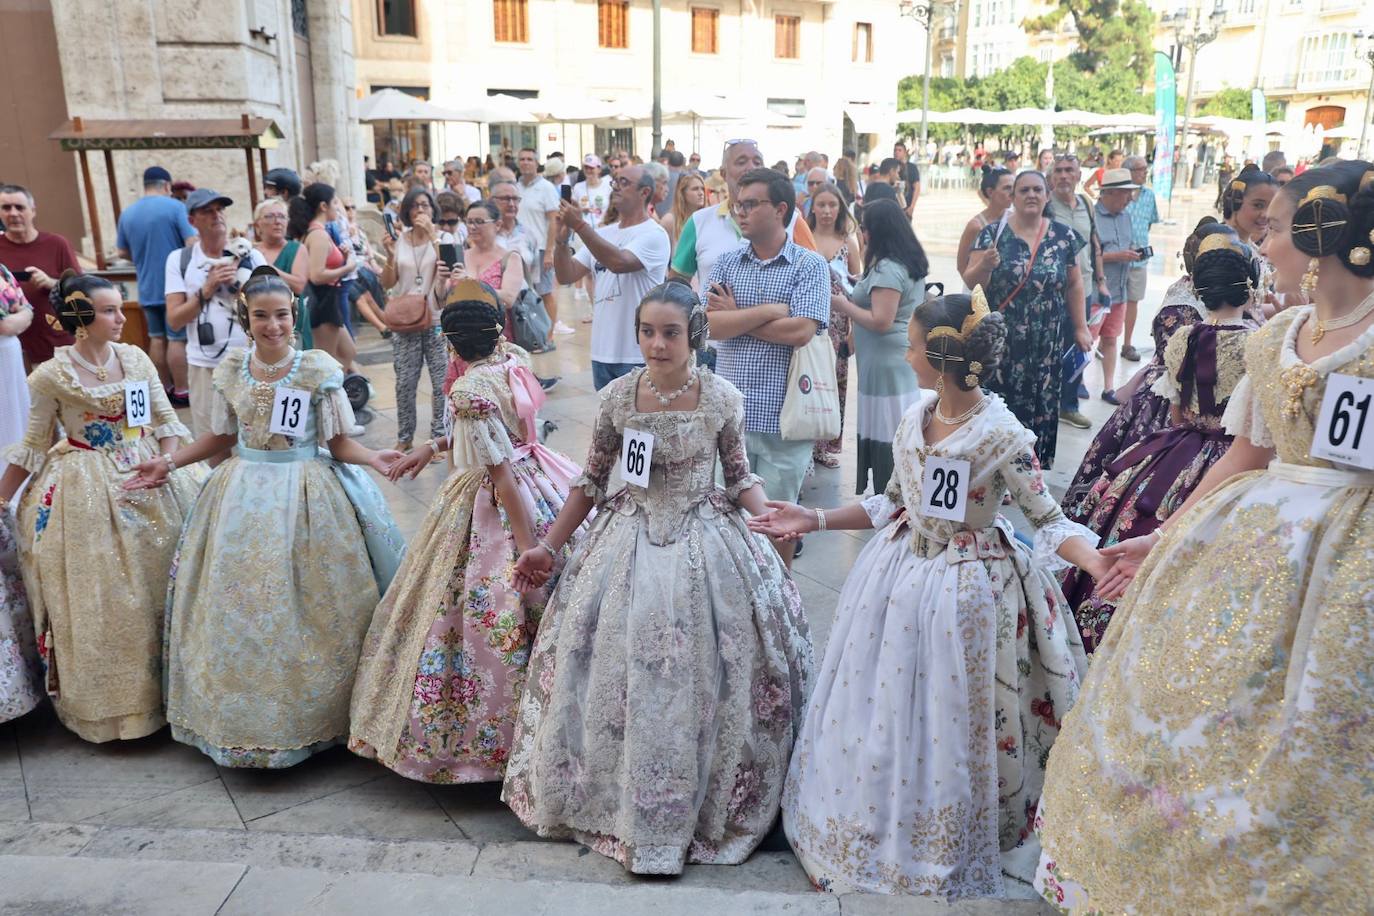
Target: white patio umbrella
[[394, 105]]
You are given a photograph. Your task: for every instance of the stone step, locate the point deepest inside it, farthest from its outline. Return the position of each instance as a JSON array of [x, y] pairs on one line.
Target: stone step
[[59, 868]]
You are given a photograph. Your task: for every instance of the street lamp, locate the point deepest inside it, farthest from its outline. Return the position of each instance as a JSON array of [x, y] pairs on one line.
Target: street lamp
[[1367, 52], [925, 13], [1192, 33]]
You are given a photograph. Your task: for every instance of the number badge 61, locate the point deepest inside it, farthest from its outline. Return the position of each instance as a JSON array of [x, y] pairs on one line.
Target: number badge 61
[[1343, 434]]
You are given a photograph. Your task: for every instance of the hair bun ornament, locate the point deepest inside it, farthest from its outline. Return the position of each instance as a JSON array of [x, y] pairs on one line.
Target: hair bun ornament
[[1220, 241], [977, 313], [1320, 222], [469, 290]]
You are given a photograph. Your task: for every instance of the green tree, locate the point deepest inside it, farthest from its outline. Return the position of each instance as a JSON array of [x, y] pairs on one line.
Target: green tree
[[1234, 103], [1113, 35]]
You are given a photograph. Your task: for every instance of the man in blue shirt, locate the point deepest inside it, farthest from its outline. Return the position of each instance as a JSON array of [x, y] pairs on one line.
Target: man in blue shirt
[[1118, 253], [1144, 213], [149, 230]]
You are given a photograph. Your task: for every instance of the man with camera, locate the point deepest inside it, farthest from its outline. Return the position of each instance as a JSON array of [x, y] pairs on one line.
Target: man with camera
[[1144, 213], [1119, 252], [202, 285]]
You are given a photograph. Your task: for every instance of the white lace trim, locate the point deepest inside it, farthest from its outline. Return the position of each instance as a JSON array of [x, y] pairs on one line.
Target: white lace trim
[[336, 414], [1243, 416], [1049, 538], [479, 443], [20, 455], [880, 509]]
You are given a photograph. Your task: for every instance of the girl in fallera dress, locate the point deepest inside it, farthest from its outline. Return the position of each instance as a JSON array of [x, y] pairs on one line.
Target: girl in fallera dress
[[1203, 364], [1219, 759], [284, 556], [953, 657], [95, 556], [444, 662], [671, 665]]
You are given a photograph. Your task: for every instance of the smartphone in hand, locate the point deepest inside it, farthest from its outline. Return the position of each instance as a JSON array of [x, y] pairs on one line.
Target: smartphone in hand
[[390, 220], [449, 254], [565, 192]]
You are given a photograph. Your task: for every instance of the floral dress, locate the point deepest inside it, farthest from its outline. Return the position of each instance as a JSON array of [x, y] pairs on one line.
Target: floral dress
[[94, 555], [1144, 411], [953, 657], [1219, 758], [21, 675], [1147, 482], [444, 661], [1030, 373], [672, 664], [281, 564]]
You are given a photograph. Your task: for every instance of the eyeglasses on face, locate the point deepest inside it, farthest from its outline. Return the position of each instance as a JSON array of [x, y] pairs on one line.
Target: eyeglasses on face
[[621, 183], [478, 223], [745, 207], [506, 199], [447, 222], [350, 207], [450, 172]]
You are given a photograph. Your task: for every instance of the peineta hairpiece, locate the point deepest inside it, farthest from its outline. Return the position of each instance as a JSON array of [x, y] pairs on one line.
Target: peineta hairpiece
[[975, 317], [1316, 201], [87, 313]]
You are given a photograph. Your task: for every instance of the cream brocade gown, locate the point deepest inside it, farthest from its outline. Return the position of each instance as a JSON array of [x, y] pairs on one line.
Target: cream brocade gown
[[1219, 760], [953, 658], [94, 555], [281, 563]]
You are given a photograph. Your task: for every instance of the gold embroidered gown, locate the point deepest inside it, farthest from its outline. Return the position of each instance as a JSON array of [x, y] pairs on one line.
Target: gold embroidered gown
[[1219, 759], [94, 555]]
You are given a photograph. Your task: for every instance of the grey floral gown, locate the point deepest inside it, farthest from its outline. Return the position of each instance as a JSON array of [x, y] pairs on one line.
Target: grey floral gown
[[671, 667]]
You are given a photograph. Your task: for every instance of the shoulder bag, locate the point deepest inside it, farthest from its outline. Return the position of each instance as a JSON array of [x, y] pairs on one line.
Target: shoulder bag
[[811, 407], [408, 312]]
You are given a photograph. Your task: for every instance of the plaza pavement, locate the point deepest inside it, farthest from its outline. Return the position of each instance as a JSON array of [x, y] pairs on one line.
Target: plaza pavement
[[153, 827]]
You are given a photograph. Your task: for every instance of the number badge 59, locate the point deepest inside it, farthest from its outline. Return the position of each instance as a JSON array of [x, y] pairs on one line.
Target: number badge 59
[[1343, 433], [944, 488]]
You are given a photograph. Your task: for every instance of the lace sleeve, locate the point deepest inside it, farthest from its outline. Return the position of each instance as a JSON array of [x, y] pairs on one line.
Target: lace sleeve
[[1243, 416], [734, 463], [604, 450], [479, 438], [223, 421], [168, 424], [31, 452], [1175, 351], [1023, 478], [882, 507], [336, 413]]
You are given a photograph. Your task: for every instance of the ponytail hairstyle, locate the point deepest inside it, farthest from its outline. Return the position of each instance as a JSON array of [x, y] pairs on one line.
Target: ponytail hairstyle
[[300, 212], [1225, 273], [1335, 214], [1249, 178], [678, 293], [71, 298], [263, 281], [471, 320], [964, 339]]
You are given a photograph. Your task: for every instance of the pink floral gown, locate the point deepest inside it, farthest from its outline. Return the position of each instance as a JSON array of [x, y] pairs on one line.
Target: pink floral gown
[[444, 661]]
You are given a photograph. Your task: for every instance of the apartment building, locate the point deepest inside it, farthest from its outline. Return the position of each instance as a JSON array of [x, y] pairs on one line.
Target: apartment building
[[793, 74]]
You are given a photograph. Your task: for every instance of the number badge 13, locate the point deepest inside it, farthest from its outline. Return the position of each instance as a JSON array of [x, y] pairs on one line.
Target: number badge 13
[[944, 488], [290, 410], [1344, 433]]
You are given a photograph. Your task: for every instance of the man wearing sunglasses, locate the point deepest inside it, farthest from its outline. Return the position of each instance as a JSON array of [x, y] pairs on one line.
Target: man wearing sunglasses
[[712, 231], [453, 181]]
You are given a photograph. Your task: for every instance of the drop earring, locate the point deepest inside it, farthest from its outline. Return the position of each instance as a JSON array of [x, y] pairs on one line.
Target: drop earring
[[81, 332], [1309, 279]]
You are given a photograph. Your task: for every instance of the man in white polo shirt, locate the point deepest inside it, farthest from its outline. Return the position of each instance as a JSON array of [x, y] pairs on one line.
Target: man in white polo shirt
[[201, 294]]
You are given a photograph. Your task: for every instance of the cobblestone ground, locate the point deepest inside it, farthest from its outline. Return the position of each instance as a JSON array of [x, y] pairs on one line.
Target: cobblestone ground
[[152, 826]]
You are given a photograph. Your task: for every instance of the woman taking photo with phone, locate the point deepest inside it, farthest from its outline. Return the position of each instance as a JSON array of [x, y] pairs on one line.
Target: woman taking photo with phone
[[418, 281]]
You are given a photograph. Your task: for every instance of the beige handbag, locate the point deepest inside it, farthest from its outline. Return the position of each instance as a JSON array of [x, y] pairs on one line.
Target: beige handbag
[[811, 407]]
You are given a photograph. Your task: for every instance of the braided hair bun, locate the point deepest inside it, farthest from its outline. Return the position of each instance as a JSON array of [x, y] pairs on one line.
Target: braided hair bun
[[1224, 273], [1200, 231], [471, 320], [71, 299], [972, 360], [1335, 214], [676, 292]]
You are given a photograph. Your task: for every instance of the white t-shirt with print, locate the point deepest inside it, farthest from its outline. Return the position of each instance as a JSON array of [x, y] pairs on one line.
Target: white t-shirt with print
[[618, 295], [593, 200], [536, 200], [218, 312]]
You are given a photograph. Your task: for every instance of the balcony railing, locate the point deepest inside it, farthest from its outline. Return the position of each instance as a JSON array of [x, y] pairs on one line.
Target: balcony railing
[[1339, 6]]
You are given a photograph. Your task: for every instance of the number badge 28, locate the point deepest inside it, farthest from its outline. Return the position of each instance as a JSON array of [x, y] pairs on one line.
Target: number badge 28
[[944, 488], [1343, 433]]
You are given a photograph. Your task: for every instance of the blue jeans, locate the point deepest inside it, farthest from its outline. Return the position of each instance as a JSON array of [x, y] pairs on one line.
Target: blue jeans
[[605, 373]]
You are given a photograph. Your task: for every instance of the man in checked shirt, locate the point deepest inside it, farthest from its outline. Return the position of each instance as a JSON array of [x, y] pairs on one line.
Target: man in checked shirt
[[764, 300]]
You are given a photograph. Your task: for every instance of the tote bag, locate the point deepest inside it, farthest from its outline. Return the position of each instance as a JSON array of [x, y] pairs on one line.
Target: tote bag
[[811, 408]]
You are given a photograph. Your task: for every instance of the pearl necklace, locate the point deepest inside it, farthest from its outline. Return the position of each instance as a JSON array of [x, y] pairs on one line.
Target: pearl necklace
[[665, 400], [273, 368], [1358, 314], [961, 418], [100, 372]]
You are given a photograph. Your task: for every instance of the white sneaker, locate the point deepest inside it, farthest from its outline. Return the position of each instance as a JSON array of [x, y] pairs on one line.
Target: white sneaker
[[357, 430], [561, 328]]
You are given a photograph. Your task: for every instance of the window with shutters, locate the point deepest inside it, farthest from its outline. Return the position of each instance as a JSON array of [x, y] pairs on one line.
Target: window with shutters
[[512, 20], [787, 37], [396, 17], [705, 30], [613, 23], [862, 51]]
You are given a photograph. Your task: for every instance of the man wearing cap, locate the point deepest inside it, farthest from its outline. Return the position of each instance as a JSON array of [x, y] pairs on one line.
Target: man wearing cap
[[283, 183], [150, 229], [201, 293], [37, 259], [1118, 254], [1144, 213], [712, 231]]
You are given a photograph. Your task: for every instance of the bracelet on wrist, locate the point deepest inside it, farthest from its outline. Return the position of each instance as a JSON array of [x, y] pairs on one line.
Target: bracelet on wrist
[[553, 554], [820, 519], [171, 465]]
